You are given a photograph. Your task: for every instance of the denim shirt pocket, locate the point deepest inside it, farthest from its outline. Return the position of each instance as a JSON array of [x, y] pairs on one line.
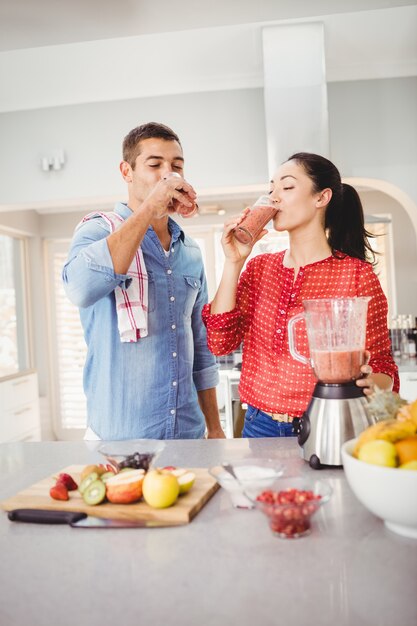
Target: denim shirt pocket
[[151, 291], [192, 287]]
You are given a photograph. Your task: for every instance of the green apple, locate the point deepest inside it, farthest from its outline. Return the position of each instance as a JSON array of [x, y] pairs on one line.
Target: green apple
[[186, 481], [378, 452], [411, 465], [185, 477], [160, 490]]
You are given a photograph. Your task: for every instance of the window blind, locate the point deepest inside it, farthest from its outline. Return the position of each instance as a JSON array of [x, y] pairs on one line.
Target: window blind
[[69, 348]]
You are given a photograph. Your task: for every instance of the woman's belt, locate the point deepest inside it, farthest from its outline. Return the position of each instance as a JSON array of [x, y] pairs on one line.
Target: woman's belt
[[279, 417]]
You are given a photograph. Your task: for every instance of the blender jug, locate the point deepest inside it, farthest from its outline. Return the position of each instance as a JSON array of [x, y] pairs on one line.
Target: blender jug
[[337, 411], [336, 332]]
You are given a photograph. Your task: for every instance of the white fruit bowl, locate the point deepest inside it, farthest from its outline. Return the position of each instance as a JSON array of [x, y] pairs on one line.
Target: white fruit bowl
[[387, 492]]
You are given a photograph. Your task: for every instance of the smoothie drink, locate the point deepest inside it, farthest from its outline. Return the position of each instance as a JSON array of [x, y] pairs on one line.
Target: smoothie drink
[[181, 209], [255, 221], [338, 366]]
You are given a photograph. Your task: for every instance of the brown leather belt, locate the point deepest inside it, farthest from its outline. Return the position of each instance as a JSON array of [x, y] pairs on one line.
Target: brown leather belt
[[279, 417]]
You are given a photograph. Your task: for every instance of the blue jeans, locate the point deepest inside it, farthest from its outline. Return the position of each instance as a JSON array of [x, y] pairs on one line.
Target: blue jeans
[[260, 424]]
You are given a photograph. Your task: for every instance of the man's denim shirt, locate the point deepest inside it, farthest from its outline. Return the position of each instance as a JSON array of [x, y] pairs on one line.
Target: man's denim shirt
[[146, 389]]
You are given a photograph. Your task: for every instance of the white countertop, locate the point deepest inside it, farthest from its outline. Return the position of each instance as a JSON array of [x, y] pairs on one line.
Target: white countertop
[[224, 568]]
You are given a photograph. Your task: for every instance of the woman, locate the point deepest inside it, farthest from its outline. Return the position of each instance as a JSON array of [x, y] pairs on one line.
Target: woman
[[328, 257]]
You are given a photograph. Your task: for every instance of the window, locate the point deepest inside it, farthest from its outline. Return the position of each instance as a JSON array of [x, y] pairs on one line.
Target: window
[[382, 244], [14, 337], [68, 349]]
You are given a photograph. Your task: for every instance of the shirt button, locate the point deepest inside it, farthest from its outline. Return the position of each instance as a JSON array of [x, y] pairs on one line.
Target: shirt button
[[282, 312], [293, 295], [172, 411], [174, 383], [173, 326], [172, 298], [169, 271], [278, 331], [174, 354], [195, 284]]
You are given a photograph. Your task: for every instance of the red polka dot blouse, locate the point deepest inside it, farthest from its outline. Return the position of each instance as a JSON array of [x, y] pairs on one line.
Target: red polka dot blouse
[[267, 297]]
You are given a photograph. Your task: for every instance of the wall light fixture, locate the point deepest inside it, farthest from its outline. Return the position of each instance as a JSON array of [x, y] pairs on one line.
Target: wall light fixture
[[54, 161]]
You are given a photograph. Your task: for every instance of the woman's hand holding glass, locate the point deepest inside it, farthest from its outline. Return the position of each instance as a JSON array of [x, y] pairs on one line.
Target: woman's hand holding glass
[[234, 250]]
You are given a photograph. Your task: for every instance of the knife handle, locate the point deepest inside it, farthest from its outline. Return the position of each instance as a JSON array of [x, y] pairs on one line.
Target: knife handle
[[39, 516]]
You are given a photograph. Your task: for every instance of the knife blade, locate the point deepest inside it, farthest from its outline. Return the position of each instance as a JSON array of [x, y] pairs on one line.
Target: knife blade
[[80, 520]]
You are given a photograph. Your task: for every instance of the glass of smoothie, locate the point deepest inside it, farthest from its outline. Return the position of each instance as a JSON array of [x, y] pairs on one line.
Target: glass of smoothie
[[182, 209], [336, 333], [255, 221]]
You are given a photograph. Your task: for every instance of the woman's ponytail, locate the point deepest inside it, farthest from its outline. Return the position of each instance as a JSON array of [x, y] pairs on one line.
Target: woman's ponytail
[[344, 220], [345, 225]]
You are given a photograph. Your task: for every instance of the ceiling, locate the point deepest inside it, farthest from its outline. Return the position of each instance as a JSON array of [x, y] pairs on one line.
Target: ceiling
[[30, 23], [56, 53]]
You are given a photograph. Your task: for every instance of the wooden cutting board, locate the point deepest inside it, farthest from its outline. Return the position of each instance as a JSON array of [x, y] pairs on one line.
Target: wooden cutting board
[[182, 512]]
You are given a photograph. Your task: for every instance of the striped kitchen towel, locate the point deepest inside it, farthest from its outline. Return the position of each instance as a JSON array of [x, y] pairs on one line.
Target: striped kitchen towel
[[131, 303]]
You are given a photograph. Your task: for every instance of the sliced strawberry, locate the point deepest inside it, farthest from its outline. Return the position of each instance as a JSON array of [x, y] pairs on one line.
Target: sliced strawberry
[[59, 492], [68, 481]]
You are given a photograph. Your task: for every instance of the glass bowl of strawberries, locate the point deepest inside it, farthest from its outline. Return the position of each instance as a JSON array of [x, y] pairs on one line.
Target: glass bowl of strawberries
[[290, 503]]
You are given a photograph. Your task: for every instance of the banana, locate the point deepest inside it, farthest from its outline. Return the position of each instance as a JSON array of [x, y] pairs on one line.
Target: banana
[[408, 412], [389, 430]]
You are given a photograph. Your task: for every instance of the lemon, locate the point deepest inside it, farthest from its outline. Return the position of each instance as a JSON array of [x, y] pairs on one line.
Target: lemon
[[378, 452]]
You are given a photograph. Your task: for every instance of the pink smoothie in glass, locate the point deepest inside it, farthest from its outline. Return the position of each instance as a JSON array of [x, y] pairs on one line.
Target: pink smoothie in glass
[[338, 366], [252, 224]]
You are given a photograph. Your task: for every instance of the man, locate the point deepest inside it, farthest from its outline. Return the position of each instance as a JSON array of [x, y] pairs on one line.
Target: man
[[160, 381]]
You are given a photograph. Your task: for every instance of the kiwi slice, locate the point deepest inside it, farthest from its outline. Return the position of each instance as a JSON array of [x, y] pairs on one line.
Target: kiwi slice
[[105, 477], [87, 482], [95, 492]]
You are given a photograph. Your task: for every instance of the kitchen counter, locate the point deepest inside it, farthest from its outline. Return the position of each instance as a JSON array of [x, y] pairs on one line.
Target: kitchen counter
[[225, 567]]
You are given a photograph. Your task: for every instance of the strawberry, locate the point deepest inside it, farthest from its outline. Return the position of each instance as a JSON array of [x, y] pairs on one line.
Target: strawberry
[[59, 492], [105, 468], [68, 481]]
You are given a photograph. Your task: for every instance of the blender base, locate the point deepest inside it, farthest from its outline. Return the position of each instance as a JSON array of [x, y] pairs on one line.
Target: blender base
[[336, 413]]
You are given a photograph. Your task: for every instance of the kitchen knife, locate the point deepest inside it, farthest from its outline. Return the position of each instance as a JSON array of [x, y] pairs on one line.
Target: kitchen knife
[[80, 520]]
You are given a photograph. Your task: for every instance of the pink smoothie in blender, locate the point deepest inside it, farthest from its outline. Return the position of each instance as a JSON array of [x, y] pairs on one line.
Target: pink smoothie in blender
[[337, 410], [336, 331], [338, 366]]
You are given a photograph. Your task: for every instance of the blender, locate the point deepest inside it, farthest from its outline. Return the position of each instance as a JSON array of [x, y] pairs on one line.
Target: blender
[[337, 412]]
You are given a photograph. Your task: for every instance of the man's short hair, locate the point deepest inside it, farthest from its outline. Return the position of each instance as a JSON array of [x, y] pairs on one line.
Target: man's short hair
[[151, 130]]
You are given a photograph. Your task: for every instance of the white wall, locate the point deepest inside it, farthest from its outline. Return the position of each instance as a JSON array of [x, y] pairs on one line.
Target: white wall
[[373, 130], [223, 136]]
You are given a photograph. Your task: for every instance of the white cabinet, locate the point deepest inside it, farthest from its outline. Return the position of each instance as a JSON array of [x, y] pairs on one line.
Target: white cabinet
[[19, 408], [408, 384], [227, 397], [224, 404]]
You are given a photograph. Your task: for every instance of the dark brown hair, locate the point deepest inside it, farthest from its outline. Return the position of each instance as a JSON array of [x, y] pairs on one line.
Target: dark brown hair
[[151, 130], [344, 219]]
